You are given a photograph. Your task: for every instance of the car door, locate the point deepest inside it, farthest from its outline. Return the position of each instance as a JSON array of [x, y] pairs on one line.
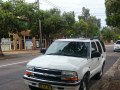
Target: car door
[[94, 60], [100, 50]]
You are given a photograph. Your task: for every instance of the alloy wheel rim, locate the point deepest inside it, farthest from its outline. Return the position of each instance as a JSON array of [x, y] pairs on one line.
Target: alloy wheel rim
[[101, 72], [84, 86]]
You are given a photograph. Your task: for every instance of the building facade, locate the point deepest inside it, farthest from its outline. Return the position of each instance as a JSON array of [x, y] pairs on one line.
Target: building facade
[[21, 42]]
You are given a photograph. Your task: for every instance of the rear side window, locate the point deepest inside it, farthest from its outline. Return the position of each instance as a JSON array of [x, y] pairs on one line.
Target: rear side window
[[118, 42], [103, 46], [99, 47]]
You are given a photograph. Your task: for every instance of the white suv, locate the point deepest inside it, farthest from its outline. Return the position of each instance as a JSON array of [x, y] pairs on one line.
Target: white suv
[[68, 64]]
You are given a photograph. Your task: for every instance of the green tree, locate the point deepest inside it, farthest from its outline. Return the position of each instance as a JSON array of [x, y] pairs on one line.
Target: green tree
[[107, 34], [113, 12], [93, 24], [54, 24], [81, 28], [15, 16], [69, 20], [6, 16], [25, 14], [85, 14]]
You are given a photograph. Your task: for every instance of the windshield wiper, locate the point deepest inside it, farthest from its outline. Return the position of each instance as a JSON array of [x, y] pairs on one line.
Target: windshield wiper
[[65, 54], [54, 54]]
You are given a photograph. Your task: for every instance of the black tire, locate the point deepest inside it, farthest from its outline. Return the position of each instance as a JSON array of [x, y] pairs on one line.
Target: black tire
[[84, 83], [32, 88], [99, 75]]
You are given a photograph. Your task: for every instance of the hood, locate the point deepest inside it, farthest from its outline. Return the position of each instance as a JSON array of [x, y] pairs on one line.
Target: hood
[[58, 62]]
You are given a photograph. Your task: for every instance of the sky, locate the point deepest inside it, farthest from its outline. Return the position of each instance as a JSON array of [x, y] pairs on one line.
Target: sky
[[97, 7]]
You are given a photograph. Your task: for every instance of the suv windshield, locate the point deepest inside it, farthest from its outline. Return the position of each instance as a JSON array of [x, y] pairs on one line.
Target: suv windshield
[[118, 42], [67, 48]]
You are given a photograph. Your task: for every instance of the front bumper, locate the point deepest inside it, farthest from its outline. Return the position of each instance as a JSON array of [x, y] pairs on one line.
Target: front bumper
[[116, 49], [55, 85]]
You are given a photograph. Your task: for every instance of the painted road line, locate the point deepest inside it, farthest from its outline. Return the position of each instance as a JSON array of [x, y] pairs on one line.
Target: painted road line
[[1, 66]]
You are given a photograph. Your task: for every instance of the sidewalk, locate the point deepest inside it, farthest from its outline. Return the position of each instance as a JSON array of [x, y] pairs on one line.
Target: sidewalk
[[110, 80], [14, 54], [22, 52]]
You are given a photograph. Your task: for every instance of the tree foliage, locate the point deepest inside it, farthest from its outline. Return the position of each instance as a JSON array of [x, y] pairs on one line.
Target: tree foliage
[[92, 24], [17, 16], [107, 34], [113, 12]]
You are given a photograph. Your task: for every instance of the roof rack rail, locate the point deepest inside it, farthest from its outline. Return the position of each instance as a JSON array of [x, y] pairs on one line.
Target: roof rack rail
[[96, 37]]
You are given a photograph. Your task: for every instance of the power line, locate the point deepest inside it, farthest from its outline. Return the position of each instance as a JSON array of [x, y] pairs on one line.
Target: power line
[[58, 7], [50, 3]]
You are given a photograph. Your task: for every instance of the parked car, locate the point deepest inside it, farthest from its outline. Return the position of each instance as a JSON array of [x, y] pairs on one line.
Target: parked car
[[68, 64], [117, 46]]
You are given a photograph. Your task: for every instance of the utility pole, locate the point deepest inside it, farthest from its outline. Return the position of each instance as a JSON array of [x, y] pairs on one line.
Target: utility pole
[[40, 27]]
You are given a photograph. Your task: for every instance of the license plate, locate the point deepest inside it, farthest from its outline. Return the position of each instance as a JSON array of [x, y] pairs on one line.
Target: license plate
[[45, 86]]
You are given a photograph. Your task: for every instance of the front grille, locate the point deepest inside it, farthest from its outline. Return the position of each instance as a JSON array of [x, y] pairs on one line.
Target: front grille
[[48, 74], [49, 78], [54, 72]]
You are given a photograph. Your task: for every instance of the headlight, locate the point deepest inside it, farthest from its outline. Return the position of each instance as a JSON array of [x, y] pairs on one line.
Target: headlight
[[30, 68], [69, 76]]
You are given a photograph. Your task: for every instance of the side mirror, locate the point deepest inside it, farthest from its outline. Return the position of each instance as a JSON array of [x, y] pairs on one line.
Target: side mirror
[[43, 50], [95, 54]]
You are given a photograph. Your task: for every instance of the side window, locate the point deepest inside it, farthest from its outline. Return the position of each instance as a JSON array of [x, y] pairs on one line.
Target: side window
[[99, 47], [93, 47], [103, 46]]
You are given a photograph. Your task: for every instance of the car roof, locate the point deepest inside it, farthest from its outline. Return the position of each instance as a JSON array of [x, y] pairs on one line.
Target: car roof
[[78, 39], [118, 40]]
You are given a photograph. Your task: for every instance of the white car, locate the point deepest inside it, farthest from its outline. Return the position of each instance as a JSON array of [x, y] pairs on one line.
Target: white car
[[68, 64], [117, 46]]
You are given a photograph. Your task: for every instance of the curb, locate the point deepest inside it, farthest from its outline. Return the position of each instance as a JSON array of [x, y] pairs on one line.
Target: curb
[[5, 57], [21, 52], [112, 70], [110, 77]]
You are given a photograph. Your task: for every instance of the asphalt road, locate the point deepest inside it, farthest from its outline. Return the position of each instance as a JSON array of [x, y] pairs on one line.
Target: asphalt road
[[11, 71]]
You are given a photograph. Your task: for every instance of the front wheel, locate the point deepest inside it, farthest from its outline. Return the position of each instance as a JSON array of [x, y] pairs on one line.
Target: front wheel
[[84, 83], [32, 88]]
